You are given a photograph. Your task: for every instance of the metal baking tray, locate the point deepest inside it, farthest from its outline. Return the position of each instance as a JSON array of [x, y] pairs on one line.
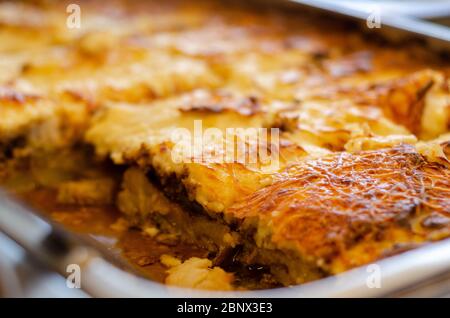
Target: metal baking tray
[[424, 271], [424, 9]]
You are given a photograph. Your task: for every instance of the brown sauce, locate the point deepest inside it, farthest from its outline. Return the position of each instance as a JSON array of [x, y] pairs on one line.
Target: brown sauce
[[99, 222]]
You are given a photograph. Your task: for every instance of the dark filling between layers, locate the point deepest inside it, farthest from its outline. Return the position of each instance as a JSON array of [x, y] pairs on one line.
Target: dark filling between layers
[[272, 266]]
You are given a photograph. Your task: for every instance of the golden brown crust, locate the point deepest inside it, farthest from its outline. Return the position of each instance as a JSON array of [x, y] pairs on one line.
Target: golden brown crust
[[324, 208]]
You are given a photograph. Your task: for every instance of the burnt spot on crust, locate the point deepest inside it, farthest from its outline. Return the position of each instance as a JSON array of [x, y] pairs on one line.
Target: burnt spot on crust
[[7, 148], [202, 101]]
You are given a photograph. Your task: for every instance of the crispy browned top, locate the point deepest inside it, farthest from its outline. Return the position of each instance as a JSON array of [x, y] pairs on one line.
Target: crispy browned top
[[325, 207]]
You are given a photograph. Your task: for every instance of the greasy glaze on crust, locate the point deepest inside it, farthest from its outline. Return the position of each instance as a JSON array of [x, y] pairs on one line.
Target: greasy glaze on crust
[[371, 202]]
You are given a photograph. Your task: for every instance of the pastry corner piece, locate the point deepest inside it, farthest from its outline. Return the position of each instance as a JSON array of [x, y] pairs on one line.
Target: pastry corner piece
[[325, 216]]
